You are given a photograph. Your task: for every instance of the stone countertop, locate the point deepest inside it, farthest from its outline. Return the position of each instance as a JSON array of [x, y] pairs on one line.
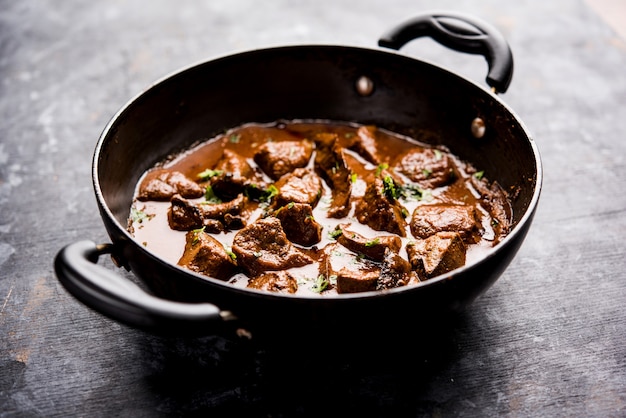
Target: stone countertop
[[548, 339]]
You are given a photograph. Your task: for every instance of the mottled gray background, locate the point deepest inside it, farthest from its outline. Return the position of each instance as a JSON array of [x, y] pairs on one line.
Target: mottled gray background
[[548, 339]]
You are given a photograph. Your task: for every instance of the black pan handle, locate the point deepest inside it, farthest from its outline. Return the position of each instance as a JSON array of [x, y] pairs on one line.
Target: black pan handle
[[120, 299], [462, 33]]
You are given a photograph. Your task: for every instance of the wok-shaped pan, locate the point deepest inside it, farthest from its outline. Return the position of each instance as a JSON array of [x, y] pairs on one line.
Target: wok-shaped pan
[[339, 83]]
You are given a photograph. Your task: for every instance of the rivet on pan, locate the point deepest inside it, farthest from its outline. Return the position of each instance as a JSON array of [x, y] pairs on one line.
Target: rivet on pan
[[478, 128], [364, 86]]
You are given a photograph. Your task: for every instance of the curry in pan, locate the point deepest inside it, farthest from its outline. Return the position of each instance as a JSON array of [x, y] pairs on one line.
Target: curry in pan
[[318, 208]]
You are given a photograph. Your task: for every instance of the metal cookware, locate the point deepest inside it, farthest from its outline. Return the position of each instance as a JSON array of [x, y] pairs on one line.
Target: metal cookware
[[370, 86]]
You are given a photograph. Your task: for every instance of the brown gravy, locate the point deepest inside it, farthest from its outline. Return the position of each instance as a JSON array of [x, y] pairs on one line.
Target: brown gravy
[[424, 210]]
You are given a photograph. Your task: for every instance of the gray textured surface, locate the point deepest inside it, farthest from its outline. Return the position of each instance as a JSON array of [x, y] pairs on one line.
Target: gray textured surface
[[548, 339]]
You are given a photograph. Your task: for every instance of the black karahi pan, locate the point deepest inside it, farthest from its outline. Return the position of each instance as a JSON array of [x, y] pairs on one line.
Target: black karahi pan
[[340, 83]]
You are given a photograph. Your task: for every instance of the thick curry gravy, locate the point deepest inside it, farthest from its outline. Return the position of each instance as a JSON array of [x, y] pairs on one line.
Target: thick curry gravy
[[318, 208]]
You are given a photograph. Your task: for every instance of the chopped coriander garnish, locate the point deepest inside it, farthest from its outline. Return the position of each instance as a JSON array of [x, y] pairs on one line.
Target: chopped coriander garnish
[[389, 188], [208, 173], [353, 178], [438, 154], [196, 235], [380, 168], [320, 284], [335, 233], [255, 193], [269, 193], [372, 243], [139, 216], [230, 253], [426, 172], [479, 175], [412, 191], [210, 197], [234, 138]]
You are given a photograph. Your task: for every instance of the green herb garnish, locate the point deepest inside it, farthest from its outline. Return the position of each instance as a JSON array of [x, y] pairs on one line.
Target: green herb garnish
[[138, 216], [389, 188], [479, 175], [320, 284], [255, 193], [372, 243], [208, 173], [380, 168], [196, 235], [210, 196], [335, 233], [269, 193], [412, 191], [234, 138]]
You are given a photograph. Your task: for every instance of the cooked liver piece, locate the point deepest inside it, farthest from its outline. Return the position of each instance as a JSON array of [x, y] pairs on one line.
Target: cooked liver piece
[[330, 164], [364, 144], [395, 272], [352, 272], [373, 248], [298, 223], [279, 158], [234, 174], [430, 168], [204, 254], [427, 220], [263, 246], [496, 201], [379, 211], [162, 185], [274, 281], [437, 254], [185, 215], [301, 186]]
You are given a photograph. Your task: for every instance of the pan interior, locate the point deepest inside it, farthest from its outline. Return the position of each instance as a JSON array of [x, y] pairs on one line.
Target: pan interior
[[409, 97]]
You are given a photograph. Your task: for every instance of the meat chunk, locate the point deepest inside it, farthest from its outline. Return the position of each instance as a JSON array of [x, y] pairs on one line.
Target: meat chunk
[[395, 272], [274, 281], [437, 254], [185, 215], [380, 209], [300, 186], [331, 165], [279, 158], [427, 220], [497, 203], [161, 185], [364, 144], [298, 223], [231, 175], [353, 273], [206, 255], [372, 248], [428, 167], [263, 246]]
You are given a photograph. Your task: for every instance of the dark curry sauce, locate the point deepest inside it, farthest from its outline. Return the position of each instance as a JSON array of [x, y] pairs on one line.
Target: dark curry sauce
[[318, 208]]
